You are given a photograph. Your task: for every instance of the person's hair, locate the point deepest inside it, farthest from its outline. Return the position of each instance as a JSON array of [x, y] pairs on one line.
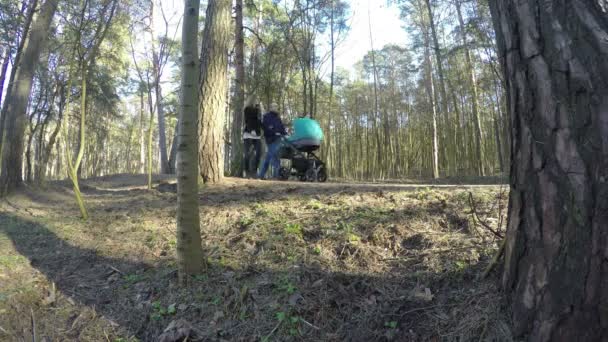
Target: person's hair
[[274, 107]]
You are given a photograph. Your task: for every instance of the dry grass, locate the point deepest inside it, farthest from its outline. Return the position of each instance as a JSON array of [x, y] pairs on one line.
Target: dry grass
[[288, 262]]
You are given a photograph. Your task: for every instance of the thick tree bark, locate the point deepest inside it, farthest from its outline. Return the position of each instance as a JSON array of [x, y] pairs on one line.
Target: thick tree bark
[[11, 84], [555, 60], [239, 93], [213, 89], [17, 104], [474, 93], [190, 259]]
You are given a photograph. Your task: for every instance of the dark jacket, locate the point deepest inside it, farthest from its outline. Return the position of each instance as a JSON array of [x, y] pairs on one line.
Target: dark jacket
[[273, 127], [252, 120]]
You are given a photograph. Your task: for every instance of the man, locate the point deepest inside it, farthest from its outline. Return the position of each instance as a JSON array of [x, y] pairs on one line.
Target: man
[[252, 145], [274, 130]]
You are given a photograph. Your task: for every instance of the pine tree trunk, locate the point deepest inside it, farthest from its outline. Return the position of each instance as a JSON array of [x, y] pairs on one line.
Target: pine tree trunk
[[16, 62], [17, 104], [555, 60], [239, 93], [213, 89]]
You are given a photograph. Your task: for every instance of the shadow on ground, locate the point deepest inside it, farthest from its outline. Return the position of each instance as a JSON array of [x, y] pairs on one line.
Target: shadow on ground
[[300, 301]]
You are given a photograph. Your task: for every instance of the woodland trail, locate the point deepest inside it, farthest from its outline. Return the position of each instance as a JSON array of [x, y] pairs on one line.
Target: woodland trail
[[287, 261]]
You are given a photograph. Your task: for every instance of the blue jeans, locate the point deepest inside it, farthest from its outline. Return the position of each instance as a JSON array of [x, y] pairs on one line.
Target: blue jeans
[[272, 159]]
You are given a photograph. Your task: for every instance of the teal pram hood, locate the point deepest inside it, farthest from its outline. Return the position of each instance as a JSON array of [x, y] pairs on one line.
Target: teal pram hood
[[306, 129]]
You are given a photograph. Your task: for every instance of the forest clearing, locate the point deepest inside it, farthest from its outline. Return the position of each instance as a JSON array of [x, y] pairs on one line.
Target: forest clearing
[[286, 261]]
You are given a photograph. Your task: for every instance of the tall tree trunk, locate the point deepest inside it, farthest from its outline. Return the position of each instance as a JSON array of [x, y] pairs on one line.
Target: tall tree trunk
[[16, 63], [142, 144], [555, 61], [213, 88], [432, 96], [474, 93], [3, 70], [190, 258], [160, 110], [17, 104], [173, 152], [442, 90], [239, 93], [162, 137], [150, 139]]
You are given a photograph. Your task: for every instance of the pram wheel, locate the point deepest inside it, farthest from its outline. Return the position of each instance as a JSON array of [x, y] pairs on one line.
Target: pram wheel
[[284, 173], [310, 175], [322, 175]]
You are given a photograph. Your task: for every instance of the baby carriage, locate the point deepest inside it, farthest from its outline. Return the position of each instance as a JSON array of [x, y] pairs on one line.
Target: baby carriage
[[297, 154], [298, 159]]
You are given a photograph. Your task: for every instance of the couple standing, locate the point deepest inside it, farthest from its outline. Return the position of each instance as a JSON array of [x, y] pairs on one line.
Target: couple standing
[[273, 130]]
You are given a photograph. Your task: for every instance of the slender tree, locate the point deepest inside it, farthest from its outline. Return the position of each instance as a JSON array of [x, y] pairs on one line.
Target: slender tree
[[236, 149], [213, 89], [474, 93], [555, 61], [189, 251]]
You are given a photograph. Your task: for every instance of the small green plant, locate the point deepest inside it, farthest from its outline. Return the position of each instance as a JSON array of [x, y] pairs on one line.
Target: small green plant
[[317, 250], [314, 204], [391, 325], [158, 310], [133, 278], [291, 321], [287, 286], [353, 238], [201, 277], [245, 222], [216, 300], [294, 229]]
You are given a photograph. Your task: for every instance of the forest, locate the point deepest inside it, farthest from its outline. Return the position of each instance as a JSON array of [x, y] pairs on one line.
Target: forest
[[457, 192]]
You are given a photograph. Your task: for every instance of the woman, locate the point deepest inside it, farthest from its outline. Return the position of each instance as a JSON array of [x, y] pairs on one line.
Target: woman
[[252, 145]]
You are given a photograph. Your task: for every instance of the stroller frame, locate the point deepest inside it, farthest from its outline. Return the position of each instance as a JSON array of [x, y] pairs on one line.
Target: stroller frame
[[303, 163]]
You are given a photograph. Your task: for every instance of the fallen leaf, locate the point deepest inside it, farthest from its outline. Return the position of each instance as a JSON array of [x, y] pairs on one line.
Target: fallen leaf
[[176, 331], [423, 293]]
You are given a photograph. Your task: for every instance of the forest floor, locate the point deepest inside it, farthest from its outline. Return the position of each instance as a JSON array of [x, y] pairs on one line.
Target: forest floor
[[287, 261]]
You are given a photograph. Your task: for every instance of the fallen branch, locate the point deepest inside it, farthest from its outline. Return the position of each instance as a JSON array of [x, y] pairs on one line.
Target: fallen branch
[[310, 324], [495, 260], [116, 270], [33, 325], [267, 337], [477, 219]]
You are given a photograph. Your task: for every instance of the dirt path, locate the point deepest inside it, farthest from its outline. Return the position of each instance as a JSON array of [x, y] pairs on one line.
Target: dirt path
[[287, 261]]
